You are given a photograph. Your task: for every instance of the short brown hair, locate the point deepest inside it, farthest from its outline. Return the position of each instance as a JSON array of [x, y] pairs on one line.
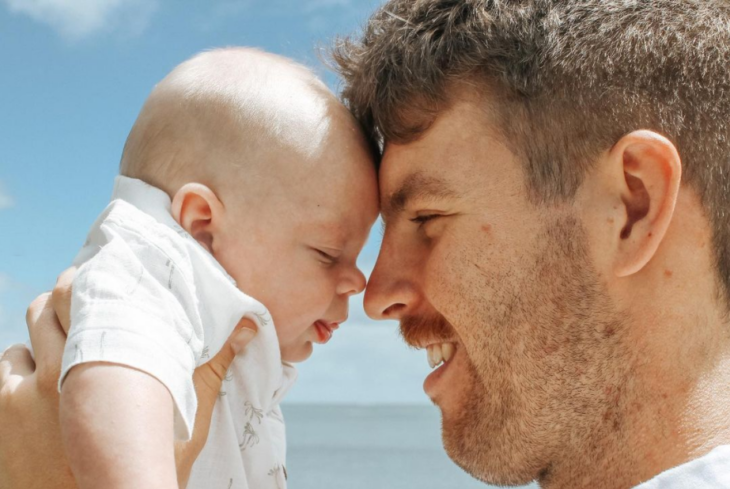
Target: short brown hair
[[569, 78]]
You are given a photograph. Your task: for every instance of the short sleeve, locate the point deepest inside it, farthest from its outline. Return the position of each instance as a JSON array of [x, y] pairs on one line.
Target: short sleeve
[[125, 310]]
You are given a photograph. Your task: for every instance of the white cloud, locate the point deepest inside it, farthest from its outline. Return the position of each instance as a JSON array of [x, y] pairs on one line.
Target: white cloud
[[78, 19], [6, 201]]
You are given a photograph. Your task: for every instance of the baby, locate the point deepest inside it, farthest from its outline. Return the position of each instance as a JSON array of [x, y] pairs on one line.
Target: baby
[[246, 191]]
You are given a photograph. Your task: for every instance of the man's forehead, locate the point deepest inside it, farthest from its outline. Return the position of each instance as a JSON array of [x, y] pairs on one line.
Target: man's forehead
[[434, 164]]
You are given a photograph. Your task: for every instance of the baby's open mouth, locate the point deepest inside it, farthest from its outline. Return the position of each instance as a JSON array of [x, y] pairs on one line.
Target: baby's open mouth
[[325, 330]]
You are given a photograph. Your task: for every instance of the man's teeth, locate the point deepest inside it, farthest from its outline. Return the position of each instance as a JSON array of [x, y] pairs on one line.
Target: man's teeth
[[439, 352]]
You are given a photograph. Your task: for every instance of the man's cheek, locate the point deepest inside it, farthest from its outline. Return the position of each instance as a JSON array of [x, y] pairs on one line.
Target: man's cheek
[[444, 273]]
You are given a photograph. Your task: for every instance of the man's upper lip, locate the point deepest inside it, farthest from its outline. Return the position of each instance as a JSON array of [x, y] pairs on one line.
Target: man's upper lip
[[425, 343]]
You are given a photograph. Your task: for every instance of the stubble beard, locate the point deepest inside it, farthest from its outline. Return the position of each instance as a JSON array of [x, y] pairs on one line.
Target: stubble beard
[[545, 376]]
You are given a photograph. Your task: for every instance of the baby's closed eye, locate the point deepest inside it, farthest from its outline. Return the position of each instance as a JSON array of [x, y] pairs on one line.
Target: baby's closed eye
[[325, 257]]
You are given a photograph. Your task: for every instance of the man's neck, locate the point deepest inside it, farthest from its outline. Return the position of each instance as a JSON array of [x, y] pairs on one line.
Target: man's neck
[[671, 413]]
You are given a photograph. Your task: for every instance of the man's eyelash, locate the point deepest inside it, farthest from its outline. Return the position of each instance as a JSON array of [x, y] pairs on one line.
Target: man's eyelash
[[420, 220]]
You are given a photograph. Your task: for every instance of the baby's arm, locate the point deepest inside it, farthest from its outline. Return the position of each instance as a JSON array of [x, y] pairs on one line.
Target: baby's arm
[[117, 427], [126, 382]]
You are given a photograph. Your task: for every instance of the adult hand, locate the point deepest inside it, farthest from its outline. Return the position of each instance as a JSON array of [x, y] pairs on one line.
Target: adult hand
[[31, 452]]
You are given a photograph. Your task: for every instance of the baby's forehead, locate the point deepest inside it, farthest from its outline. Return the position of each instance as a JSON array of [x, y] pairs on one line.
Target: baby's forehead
[[263, 92], [307, 122], [323, 188]]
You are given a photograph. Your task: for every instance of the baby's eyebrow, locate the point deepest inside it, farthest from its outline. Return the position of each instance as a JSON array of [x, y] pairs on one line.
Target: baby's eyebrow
[[415, 186], [331, 229]]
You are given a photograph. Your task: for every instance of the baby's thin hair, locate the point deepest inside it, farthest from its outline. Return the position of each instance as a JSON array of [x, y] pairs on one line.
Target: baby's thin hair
[[220, 96]]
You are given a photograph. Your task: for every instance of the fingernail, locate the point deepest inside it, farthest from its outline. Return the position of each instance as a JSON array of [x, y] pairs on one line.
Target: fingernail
[[241, 339]]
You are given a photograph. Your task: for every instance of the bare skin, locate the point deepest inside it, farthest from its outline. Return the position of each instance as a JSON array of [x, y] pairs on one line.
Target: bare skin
[[29, 400], [591, 347], [268, 171]]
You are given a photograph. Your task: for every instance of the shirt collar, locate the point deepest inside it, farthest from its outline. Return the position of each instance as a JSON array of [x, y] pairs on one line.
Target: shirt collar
[[710, 471], [150, 200]]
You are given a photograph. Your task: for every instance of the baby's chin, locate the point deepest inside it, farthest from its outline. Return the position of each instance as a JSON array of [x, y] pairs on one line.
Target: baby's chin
[[297, 353]]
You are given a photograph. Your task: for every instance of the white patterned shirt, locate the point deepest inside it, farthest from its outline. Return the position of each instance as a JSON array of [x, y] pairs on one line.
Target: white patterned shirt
[[148, 296]]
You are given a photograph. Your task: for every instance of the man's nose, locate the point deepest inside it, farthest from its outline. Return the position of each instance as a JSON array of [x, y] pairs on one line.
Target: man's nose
[[392, 290]]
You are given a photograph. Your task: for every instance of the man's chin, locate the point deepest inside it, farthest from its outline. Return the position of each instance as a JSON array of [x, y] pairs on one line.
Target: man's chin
[[475, 441], [484, 463]]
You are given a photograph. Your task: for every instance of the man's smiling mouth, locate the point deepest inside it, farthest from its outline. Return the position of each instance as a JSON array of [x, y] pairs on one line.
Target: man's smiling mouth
[[440, 356], [438, 353]]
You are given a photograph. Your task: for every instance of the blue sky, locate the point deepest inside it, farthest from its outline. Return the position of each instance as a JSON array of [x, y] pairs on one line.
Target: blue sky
[[74, 75]]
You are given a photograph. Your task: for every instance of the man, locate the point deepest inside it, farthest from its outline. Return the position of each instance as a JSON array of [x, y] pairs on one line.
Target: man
[[554, 185]]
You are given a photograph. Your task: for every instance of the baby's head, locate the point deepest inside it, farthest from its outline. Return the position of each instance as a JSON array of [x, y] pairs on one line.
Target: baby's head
[[271, 174]]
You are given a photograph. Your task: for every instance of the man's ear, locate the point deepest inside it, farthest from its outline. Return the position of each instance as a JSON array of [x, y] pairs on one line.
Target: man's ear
[[199, 211], [652, 171]]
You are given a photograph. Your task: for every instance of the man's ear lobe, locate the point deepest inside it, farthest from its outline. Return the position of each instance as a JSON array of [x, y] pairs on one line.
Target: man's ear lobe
[[652, 171], [198, 210]]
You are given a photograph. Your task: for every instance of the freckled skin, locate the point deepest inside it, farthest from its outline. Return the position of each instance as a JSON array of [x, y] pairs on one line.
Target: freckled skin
[[541, 370], [541, 376], [577, 363]]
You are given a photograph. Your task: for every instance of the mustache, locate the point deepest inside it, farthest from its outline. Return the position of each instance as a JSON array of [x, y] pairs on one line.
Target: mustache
[[415, 330]]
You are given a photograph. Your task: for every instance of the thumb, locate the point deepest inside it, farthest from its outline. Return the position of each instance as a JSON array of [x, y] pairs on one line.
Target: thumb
[[61, 297], [208, 379]]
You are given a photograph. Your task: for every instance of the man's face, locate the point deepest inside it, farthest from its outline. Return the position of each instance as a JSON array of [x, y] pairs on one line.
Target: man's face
[[468, 261]]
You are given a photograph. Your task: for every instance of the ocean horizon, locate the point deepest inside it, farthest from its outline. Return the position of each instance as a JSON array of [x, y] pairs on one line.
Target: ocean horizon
[[370, 446]]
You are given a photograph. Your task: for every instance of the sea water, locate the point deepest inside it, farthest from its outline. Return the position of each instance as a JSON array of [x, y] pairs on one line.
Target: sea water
[[369, 447]]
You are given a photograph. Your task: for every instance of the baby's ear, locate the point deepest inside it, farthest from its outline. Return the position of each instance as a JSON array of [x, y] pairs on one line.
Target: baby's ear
[[199, 211]]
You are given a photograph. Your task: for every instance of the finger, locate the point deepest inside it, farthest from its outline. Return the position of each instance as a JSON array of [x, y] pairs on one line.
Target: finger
[[47, 338], [235, 345], [61, 297], [242, 335], [208, 379], [16, 360]]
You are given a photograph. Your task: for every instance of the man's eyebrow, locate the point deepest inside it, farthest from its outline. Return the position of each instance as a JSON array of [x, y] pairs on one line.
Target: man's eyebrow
[[415, 186]]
